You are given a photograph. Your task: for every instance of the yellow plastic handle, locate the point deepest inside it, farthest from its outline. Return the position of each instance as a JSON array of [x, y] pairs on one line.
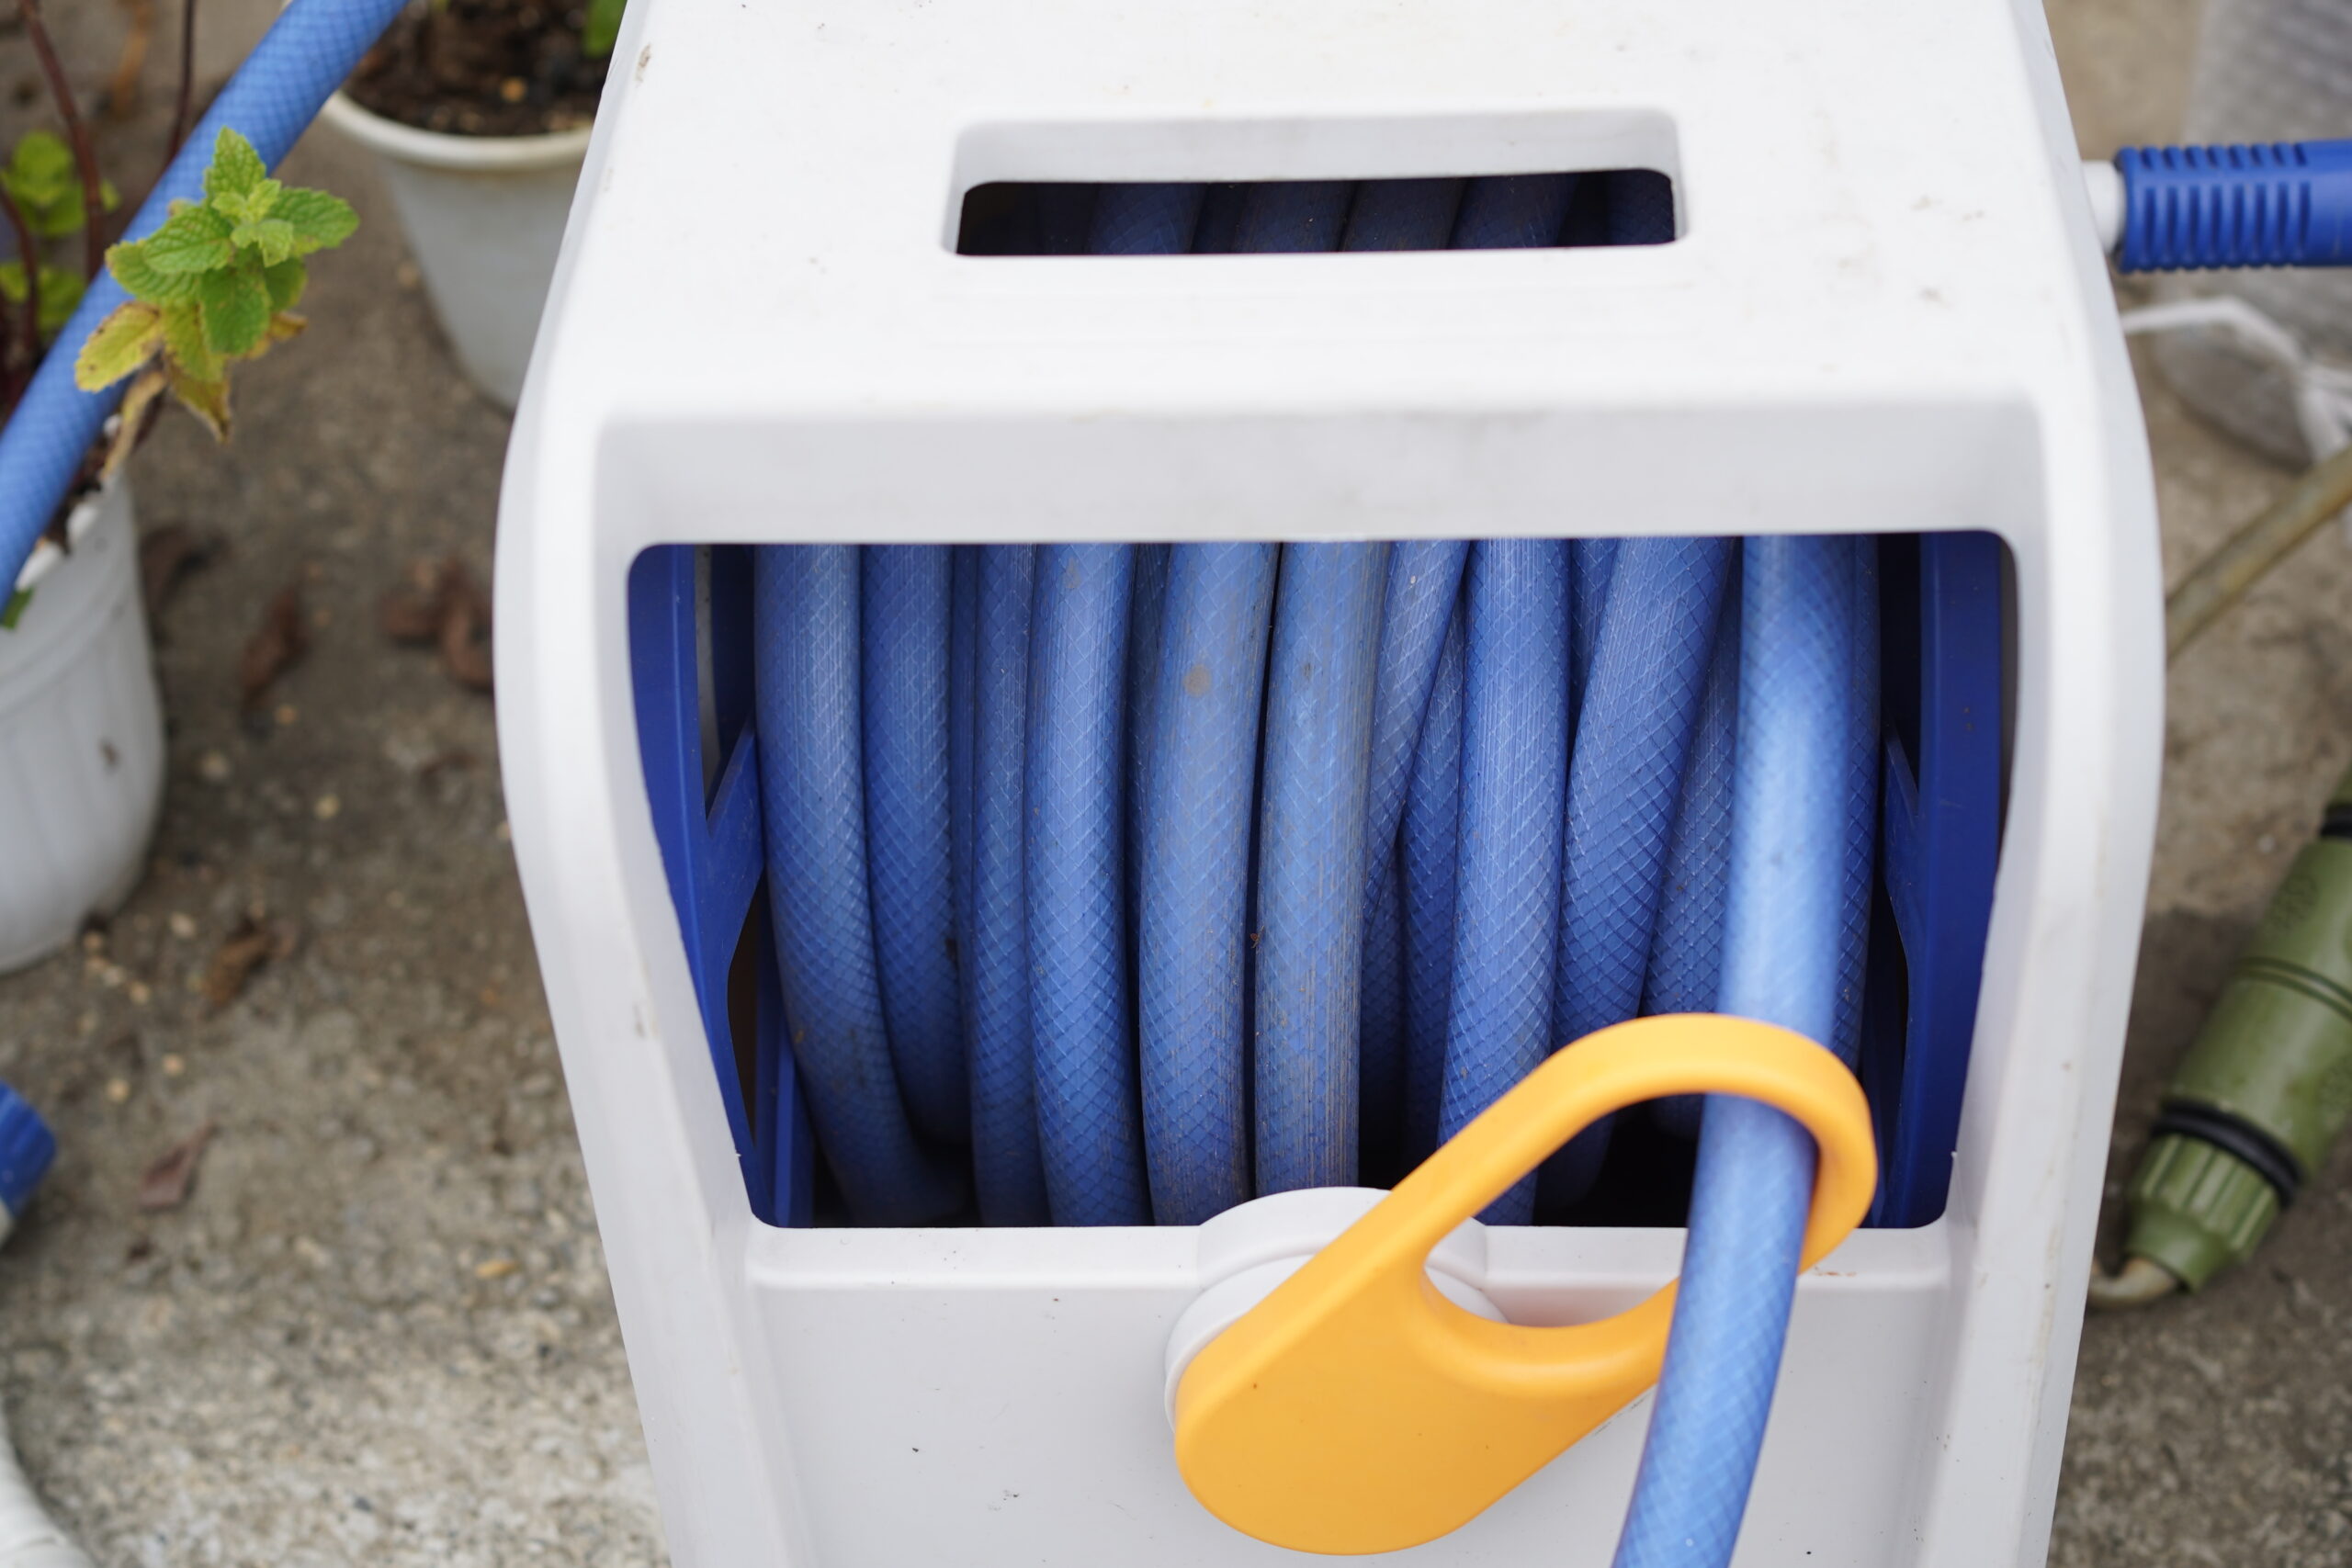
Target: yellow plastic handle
[[1356, 1410]]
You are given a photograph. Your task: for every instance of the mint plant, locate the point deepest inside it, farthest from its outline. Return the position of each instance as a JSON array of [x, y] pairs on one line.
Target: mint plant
[[602, 27], [216, 284], [40, 176]]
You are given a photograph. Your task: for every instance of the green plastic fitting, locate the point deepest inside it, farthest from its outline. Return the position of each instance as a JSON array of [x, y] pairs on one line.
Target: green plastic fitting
[[2250, 1114]]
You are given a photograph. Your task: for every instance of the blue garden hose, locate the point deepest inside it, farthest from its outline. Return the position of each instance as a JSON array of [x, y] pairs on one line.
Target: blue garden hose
[[1008, 1165], [1193, 937], [1279, 769], [1089, 1118], [806, 638], [313, 45], [963, 717], [909, 828], [1641, 706], [1424, 579], [1687, 952], [1782, 948], [1321, 672], [1429, 851], [1514, 793]]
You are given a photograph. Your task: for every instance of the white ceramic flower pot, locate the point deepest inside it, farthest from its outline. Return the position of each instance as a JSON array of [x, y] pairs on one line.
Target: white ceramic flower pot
[[485, 216], [81, 735]]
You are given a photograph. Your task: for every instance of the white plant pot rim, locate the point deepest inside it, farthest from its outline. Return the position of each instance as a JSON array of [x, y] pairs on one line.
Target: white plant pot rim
[[46, 554], [459, 155]]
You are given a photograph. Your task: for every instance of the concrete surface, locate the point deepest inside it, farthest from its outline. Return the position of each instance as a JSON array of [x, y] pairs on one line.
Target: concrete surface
[[379, 1330]]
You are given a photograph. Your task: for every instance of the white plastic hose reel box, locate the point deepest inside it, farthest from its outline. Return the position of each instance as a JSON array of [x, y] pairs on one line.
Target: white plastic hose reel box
[[1882, 310]]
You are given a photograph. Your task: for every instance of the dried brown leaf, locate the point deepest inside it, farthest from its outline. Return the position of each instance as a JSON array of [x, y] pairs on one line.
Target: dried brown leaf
[[166, 556], [167, 1182], [465, 628], [411, 617], [244, 950], [282, 637]]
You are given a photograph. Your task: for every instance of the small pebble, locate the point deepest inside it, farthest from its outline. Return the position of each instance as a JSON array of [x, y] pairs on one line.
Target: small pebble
[[139, 993], [214, 768], [286, 715], [327, 807], [513, 89], [407, 276], [2266, 844], [117, 1091], [174, 1064], [183, 926], [495, 1268]]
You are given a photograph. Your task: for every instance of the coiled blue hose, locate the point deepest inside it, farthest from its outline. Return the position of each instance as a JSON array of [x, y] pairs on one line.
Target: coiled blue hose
[[1687, 953], [1311, 862], [1404, 717], [1431, 839], [1192, 939], [313, 45], [1089, 1120], [1782, 950], [1514, 793], [1008, 1165], [1641, 706], [909, 824], [1425, 577], [806, 636]]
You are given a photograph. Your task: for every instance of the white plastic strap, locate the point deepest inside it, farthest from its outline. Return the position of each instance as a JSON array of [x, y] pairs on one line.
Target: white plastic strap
[[2321, 393]]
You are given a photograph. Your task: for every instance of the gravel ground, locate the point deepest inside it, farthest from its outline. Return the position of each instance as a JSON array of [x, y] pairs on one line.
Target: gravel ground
[[379, 1330]]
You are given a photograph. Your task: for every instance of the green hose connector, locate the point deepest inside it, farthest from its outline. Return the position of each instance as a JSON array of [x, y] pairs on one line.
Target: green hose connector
[[2250, 1114]]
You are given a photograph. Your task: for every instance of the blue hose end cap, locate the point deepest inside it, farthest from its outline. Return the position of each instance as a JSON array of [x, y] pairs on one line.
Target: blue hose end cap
[[2267, 204], [27, 1148]]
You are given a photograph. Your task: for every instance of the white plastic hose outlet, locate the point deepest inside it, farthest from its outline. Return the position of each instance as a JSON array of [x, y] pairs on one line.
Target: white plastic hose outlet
[[1248, 1250]]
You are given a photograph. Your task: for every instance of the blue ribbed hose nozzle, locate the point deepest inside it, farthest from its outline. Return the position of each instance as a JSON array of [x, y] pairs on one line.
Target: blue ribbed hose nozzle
[[2267, 204]]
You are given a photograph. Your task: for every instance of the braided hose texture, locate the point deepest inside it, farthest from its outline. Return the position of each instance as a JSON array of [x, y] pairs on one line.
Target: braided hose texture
[[1514, 793], [1431, 840], [1641, 708], [909, 828], [1008, 1165], [1687, 953], [1311, 862], [805, 629], [1088, 1117], [1784, 928], [1193, 941]]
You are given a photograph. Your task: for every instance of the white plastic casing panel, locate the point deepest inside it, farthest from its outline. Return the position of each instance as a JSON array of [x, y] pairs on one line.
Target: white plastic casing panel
[[1886, 310]]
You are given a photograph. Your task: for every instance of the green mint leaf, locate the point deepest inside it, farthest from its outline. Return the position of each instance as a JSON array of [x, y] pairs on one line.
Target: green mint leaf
[[61, 296], [118, 345], [603, 27], [42, 179], [193, 240], [16, 603], [184, 343], [274, 237], [320, 221], [236, 311], [286, 280], [236, 168], [141, 279]]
